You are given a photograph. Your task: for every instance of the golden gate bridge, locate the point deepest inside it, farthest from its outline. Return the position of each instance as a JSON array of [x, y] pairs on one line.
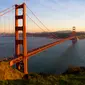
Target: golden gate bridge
[[24, 55]]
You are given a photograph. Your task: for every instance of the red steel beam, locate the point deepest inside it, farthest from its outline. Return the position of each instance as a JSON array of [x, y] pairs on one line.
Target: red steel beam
[[38, 50], [42, 48]]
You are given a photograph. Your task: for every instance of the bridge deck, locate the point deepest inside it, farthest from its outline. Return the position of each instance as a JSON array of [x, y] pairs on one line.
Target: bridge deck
[[38, 50]]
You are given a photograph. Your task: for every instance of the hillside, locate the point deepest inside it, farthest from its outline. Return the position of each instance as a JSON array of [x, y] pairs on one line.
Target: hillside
[[10, 76], [8, 73]]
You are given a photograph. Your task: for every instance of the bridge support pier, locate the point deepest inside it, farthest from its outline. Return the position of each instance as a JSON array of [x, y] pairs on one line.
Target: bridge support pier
[[23, 41], [74, 40]]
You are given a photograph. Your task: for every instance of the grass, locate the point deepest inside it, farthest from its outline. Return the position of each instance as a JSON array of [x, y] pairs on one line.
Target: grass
[[8, 73], [10, 76], [37, 79]]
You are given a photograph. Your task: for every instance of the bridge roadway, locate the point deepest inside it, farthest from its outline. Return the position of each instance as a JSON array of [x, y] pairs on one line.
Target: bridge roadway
[[38, 50]]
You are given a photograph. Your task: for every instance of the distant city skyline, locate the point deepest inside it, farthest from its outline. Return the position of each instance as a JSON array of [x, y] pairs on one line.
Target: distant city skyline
[[55, 14]]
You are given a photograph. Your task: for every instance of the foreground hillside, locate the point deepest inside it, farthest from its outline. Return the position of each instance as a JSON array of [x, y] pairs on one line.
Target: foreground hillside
[[8, 73], [36, 79], [10, 76]]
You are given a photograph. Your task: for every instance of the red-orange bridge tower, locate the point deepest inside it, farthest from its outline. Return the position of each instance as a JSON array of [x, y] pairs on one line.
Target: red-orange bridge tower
[[22, 56]]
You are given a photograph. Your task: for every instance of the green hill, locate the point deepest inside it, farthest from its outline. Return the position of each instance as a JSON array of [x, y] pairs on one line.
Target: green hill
[[10, 76]]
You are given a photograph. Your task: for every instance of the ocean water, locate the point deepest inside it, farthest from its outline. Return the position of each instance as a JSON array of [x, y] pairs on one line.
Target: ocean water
[[53, 60]]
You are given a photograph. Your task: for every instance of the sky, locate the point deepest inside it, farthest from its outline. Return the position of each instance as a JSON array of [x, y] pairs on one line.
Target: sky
[[55, 14]]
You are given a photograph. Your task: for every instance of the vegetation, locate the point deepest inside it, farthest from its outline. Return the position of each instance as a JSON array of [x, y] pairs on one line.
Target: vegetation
[[81, 37], [37, 79], [8, 73], [10, 76]]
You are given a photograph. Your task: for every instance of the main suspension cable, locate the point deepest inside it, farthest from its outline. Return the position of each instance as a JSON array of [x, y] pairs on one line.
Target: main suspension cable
[[6, 12], [35, 23], [40, 21], [6, 9]]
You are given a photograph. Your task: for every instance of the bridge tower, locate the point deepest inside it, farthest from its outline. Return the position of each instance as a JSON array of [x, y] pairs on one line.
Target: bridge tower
[[18, 41], [74, 40]]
